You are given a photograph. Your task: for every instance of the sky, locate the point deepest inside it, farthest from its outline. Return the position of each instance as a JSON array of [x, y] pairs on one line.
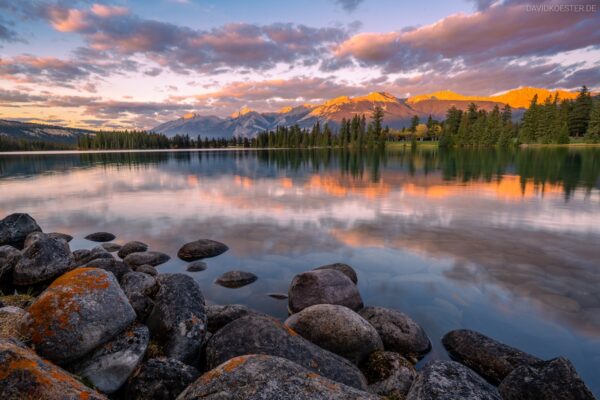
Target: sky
[[135, 64]]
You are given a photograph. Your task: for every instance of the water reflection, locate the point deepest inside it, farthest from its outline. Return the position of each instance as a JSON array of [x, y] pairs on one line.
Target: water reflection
[[500, 241]]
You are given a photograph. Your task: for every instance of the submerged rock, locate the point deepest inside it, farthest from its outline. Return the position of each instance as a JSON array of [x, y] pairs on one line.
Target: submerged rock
[[203, 248], [218, 316], [111, 247], [236, 279], [9, 257], [399, 332], [57, 235], [337, 329], [78, 312], [160, 379], [153, 258], [24, 375], [489, 358], [178, 319], [132, 247], [196, 266], [15, 228], [101, 237], [263, 377], [450, 380], [264, 335], [389, 374], [554, 379], [325, 286], [44, 258], [109, 366], [344, 269]]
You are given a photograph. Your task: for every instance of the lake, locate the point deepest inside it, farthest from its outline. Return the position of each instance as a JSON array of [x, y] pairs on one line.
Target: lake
[[503, 242]]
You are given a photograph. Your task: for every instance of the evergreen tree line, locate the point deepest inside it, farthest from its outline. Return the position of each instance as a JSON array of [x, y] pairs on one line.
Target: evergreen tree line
[[11, 144]]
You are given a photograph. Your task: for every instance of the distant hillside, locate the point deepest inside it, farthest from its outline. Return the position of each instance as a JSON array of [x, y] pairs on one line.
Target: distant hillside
[[41, 132]]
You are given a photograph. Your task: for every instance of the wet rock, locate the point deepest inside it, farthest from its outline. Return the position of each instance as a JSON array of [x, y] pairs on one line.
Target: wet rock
[[325, 286], [118, 268], [57, 235], [389, 374], [160, 379], [24, 375], [9, 257], [111, 247], [109, 366], [337, 329], [178, 319], [344, 269], [139, 289], [554, 379], [79, 311], [236, 279], [147, 269], [218, 316], [132, 247], [84, 256], [203, 248], [43, 259], [489, 358], [100, 237], [399, 332], [152, 258], [265, 335], [450, 380], [196, 266], [278, 296], [263, 377], [10, 322], [15, 228]]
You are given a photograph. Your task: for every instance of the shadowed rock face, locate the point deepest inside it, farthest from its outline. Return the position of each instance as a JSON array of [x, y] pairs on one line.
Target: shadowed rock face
[[389, 374], [15, 228], [218, 316], [450, 380], [489, 358], [262, 377], [78, 312], [24, 375], [555, 379], [160, 379], [118, 268], [203, 248], [9, 256], [265, 335]]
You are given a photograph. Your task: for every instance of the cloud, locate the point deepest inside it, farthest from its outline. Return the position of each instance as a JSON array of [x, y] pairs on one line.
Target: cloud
[[348, 5], [7, 34]]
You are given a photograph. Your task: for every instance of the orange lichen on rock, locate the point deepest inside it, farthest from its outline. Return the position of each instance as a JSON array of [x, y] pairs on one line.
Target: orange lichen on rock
[[229, 366]]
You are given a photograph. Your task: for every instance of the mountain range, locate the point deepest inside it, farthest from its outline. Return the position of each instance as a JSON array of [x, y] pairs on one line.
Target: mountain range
[[41, 132], [398, 112]]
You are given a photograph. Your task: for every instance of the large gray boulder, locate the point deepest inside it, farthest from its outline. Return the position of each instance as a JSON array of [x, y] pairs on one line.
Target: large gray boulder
[[79, 311], [450, 380], [389, 374], [399, 332], [263, 377], [84, 256], [344, 269], [153, 258], [108, 366], [178, 319], [44, 258], [554, 379], [15, 228], [203, 248], [132, 247], [264, 335], [25, 375], [160, 379], [337, 329], [220, 315], [325, 286], [9, 257], [489, 358]]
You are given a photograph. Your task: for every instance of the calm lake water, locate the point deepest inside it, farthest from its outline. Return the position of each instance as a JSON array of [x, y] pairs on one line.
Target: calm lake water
[[503, 242]]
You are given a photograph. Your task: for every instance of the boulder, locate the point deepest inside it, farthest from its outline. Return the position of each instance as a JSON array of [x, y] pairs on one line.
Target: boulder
[[139, 289], [178, 320], [57, 235], [11, 318], [79, 311], [257, 334], [132, 247], [554, 379], [24, 375], [160, 379], [263, 377], [489, 358], [450, 380], [44, 258], [218, 316], [111, 247], [84, 256], [9, 257], [399, 332], [152, 258], [344, 269], [147, 269], [337, 329], [100, 237], [235, 279], [118, 268], [15, 228], [108, 366], [389, 374], [196, 266], [325, 286], [203, 248]]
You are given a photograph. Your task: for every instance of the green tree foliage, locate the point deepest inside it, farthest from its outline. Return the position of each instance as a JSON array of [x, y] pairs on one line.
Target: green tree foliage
[[8, 143], [593, 131], [580, 113]]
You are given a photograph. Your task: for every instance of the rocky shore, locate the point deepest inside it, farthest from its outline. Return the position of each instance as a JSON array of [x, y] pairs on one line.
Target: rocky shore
[[104, 323]]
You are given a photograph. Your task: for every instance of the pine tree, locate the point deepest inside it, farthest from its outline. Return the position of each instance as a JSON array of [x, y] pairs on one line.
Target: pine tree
[[593, 131], [580, 113], [530, 122]]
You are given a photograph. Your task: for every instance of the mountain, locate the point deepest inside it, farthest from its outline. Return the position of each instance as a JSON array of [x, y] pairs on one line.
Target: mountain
[[47, 133]]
